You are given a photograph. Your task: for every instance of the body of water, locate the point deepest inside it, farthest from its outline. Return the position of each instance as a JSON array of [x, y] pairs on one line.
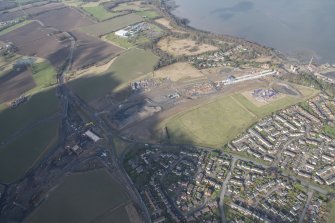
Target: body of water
[[295, 27]]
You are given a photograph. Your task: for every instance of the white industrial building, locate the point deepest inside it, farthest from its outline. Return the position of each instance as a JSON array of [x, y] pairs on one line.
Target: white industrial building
[[92, 136]]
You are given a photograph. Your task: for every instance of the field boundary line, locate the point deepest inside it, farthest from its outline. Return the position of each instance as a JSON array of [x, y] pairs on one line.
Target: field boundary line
[[243, 107], [104, 38], [52, 142], [108, 212]]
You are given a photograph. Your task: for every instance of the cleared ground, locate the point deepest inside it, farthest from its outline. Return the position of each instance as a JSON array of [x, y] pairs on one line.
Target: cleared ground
[[164, 22], [112, 25], [216, 123], [17, 157], [188, 47], [87, 197], [91, 50], [128, 66], [178, 71]]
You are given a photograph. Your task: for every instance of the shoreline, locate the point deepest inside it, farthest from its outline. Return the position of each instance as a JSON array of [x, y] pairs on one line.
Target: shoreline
[[167, 9]]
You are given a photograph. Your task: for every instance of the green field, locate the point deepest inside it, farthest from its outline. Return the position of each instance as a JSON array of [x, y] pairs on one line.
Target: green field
[[100, 13], [44, 76], [212, 124], [17, 157], [39, 106], [85, 197], [329, 130], [217, 123], [122, 42], [112, 25], [331, 218], [149, 14], [128, 66], [16, 26], [130, 6]]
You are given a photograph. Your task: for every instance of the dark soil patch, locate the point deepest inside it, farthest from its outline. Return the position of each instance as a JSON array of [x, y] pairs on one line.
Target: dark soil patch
[[64, 19], [92, 51], [34, 40], [15, 83]]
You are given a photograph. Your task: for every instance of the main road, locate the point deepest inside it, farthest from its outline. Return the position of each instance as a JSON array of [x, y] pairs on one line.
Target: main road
[[224, 189]]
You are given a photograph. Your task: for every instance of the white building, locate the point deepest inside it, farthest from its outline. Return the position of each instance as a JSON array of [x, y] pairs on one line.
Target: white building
[[92, 136], [122, 33]]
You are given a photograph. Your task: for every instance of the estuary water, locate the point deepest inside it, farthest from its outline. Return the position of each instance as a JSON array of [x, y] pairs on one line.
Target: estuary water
[[300, 28]]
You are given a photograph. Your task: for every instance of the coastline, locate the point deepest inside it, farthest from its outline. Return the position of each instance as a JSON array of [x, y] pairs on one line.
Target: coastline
[[167, 6], [183, 23]]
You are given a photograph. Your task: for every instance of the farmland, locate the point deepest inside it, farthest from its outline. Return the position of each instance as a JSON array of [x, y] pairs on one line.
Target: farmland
[[149, 14], [125, 68], [64, 19], [218, 122], [40, 106], [83, 197], [91, 50], [100, 13], [134, 6], [111, 25], [188, 47], [26, 80], [16, 26], [28, 9], [33, 40], [18, 156], [44, 76], [15, 83], [7, 5]]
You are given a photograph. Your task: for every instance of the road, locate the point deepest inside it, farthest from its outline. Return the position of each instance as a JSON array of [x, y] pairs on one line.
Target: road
[[114, 165], [309, 198], [284, 147], [224, 189]]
